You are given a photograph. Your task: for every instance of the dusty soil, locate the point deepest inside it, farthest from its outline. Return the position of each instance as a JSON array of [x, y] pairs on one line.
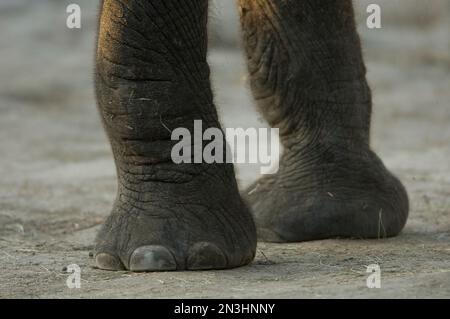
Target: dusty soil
[[58, 181]]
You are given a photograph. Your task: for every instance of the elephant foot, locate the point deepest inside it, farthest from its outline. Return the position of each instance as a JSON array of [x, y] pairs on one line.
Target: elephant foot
[[196, 225], [328, 195]]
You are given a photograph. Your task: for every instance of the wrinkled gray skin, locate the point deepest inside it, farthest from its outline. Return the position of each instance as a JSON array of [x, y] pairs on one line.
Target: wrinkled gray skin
[[308, 77]]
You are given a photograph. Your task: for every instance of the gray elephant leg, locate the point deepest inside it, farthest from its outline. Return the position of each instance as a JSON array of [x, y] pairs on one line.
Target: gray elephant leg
[[152, 76], [308, 77]]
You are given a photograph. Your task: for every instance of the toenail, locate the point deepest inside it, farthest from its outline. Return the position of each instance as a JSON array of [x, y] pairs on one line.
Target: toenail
[[152, 258], [204, 255], [108, 262]]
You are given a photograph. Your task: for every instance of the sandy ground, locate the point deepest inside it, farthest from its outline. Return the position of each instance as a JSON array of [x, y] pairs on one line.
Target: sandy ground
[[57, 176]]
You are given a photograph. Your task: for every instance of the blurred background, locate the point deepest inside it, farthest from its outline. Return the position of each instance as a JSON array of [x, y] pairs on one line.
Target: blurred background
[[57, 175]]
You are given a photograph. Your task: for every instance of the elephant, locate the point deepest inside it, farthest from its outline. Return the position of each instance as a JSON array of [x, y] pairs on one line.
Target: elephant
[[308, 78]]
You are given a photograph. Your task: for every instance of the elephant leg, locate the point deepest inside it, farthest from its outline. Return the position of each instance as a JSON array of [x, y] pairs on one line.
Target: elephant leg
[[152, 77], [309, 79]]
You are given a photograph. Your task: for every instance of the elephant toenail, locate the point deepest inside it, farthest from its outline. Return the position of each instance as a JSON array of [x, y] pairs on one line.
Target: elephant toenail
[[152, 258], [204, 255], [108, 262]]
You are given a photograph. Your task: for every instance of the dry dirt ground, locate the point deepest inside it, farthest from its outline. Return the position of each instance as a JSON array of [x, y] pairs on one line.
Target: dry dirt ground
[[57, 176]]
